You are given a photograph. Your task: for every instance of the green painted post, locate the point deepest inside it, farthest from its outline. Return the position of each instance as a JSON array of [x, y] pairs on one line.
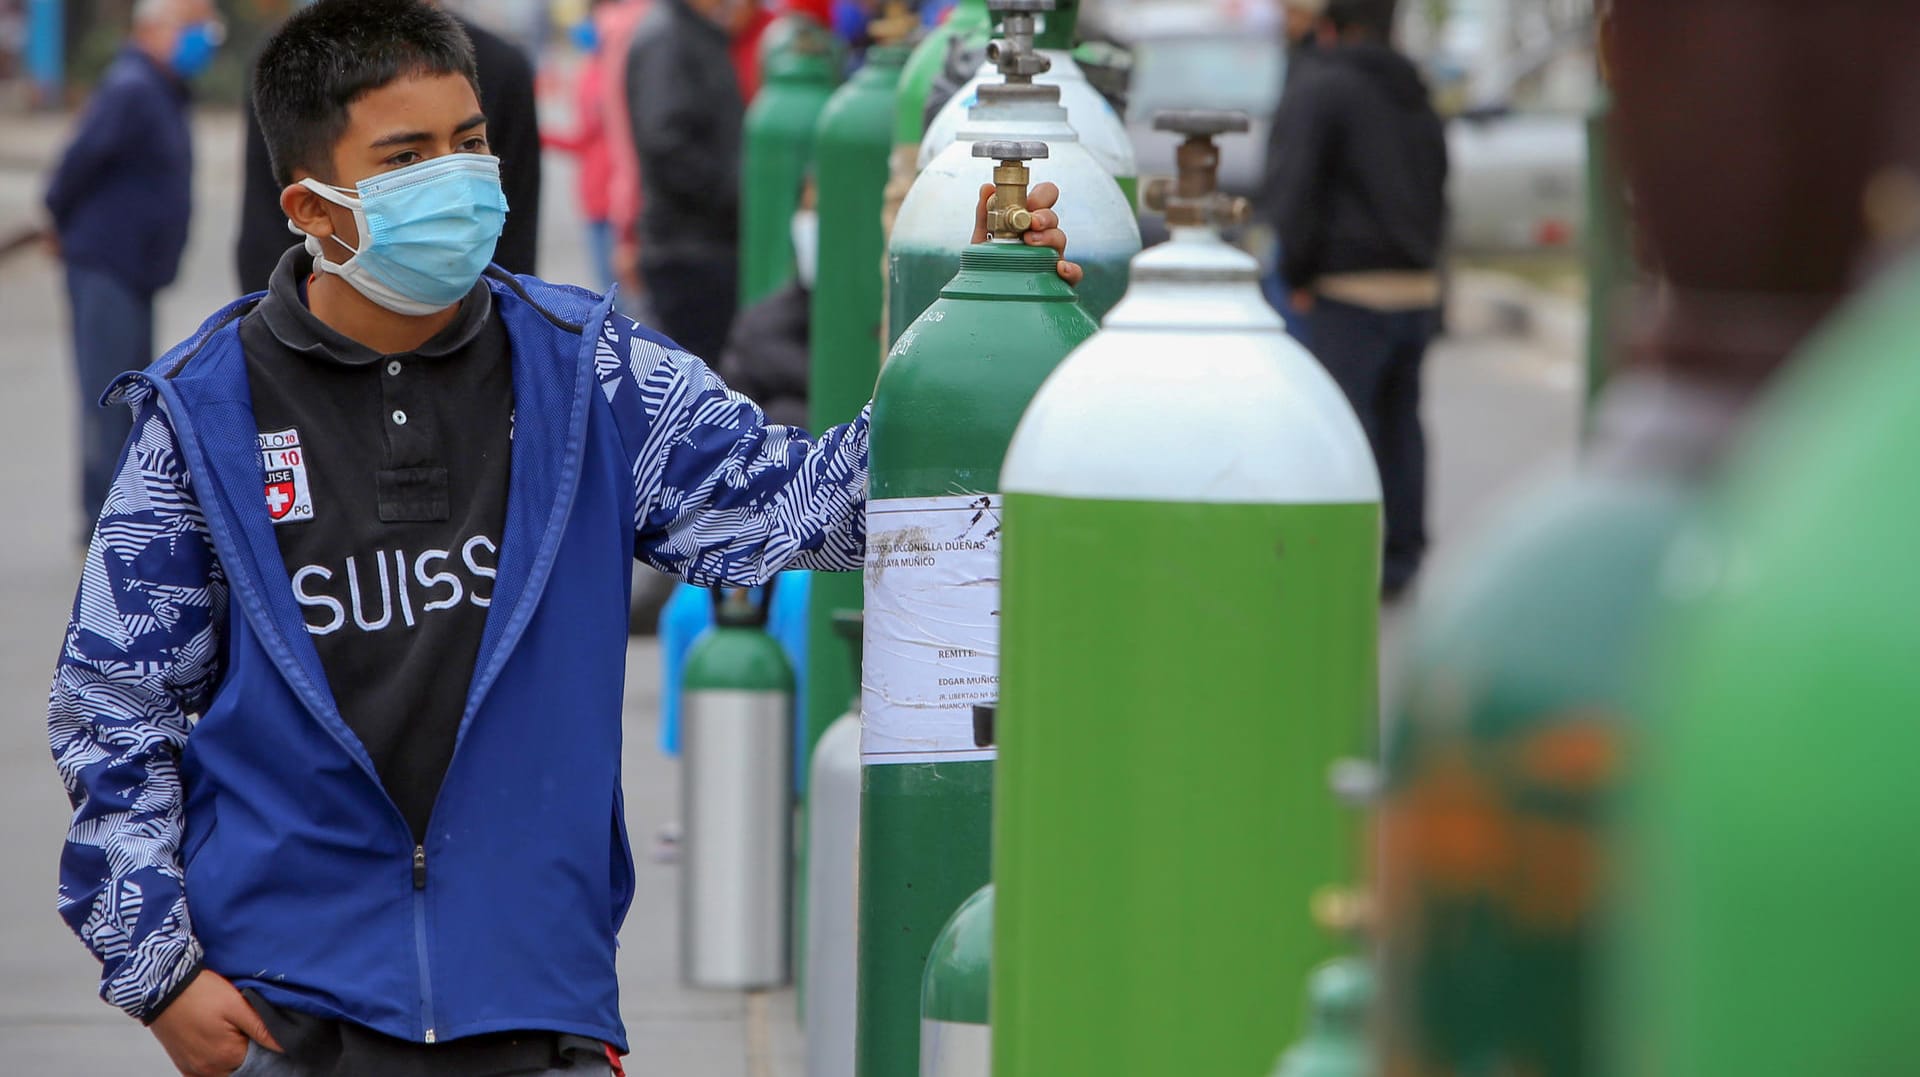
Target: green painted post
[[850, 155], [780, 125], [1771, 927], [949, 397], [1190, 606]]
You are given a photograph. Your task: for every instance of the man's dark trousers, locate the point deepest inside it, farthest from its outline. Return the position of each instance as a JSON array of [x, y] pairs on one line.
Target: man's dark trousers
[[1375, 355], [112, 334], [693, 299]]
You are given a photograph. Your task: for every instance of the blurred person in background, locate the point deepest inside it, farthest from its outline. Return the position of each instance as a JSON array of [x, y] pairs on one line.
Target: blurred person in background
[[1300, 30], [1357, 194], [513, 127], [766, 357], [686, 115], [121, 199], [591, 144], [1301, 25], [746, 48], [616, 22]]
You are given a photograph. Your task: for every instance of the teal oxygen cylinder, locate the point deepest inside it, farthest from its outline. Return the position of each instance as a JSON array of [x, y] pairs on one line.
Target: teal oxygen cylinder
[[736, 745], [1338, 998], [955, 1040]]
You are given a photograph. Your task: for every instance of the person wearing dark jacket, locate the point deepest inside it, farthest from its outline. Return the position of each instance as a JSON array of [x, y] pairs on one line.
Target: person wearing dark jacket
[[506, 96], [768, 353], [120, 200], [1357, 194], [1300, 30], [685, 110]]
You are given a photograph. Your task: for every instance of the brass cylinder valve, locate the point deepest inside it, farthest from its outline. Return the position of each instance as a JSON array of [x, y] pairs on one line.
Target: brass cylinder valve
[[1193, 198], [1007, 213]]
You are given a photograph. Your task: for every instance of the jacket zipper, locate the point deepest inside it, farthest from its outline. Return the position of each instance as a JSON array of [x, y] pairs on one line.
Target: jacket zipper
[[420, 938]]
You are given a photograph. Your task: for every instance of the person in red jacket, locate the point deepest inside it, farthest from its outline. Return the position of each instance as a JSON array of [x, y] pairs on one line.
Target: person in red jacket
[[615, 22], [591, 141]]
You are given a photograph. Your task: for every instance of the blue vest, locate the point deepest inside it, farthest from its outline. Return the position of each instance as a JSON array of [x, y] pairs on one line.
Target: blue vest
[[302, 878]]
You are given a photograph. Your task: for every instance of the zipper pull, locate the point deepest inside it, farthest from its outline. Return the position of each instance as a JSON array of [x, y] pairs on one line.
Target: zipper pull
[[420, 870]]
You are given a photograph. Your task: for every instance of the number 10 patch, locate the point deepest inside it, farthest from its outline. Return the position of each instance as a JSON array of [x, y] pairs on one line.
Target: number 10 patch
[[289, 496]]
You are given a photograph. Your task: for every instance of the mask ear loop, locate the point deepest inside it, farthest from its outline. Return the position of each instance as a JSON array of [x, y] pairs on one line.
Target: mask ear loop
[[344, 201]]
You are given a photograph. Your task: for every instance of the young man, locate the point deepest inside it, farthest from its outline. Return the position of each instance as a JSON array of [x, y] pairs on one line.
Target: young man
[[120, 200], [513, 133], [1357, 193], [339, 708]]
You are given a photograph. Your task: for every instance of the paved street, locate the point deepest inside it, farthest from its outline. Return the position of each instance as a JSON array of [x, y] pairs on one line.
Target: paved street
[[1498, 407]]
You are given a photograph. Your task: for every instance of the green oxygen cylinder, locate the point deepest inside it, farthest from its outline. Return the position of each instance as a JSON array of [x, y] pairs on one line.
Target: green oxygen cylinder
[[1190, 609], [954, 1037], [948, 399], [923, 250], [777, 151], [781, 34], [1338, 998], [1100, 128], [966, 29], [736, 801], [1501, 768], [850, 167], [1773, 869]]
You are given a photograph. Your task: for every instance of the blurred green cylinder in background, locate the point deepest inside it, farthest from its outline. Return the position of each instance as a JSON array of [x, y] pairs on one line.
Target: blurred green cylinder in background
[[778, 150], [1501, 780], [955, 1040], [1776, 873], [1338, 998]]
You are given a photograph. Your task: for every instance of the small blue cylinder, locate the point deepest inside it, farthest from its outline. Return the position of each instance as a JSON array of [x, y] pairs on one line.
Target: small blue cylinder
[[46, 50]]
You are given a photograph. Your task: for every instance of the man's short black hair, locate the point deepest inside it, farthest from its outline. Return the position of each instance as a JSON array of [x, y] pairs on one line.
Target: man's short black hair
[[329, 54], [1375, 17]]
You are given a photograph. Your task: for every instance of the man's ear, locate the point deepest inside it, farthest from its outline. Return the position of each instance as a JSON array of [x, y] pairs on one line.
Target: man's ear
[[308, 211]]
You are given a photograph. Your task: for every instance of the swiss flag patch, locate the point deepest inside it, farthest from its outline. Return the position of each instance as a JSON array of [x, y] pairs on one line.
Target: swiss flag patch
[[289, 496], [280, 494]]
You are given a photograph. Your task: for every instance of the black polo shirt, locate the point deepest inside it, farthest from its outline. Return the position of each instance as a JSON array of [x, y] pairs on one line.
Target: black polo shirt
[[386, 479]]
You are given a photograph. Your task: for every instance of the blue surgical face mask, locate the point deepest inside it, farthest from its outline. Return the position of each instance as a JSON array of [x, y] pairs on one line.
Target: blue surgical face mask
[[427, 231], [193, 50]]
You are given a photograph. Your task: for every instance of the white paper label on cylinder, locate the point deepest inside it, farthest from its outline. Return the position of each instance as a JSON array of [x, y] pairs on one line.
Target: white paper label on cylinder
[[932, 627]]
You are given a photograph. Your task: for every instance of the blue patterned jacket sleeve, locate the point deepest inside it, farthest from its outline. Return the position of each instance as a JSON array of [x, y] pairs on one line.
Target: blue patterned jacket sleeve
[[721, 495], [141, 655]]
